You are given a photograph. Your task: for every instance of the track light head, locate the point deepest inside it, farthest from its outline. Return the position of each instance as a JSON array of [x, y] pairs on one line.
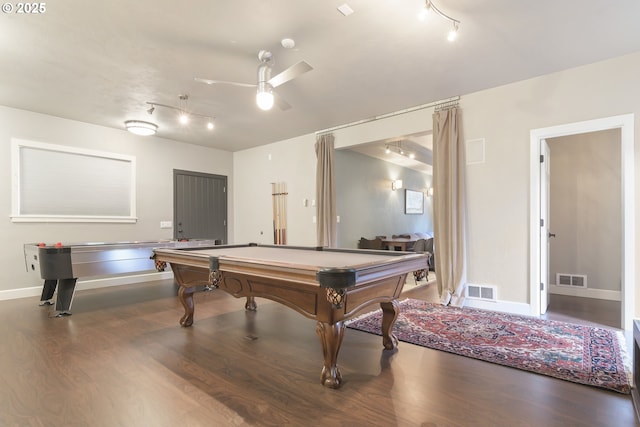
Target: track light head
[[453, 34], [429, 6]]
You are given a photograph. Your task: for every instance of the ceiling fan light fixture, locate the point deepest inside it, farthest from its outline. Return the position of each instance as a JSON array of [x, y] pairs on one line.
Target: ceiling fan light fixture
[[264, 100], [139, 127], [264, 96]]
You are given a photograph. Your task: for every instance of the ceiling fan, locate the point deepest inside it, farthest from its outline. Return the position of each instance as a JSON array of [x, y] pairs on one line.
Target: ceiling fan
[[265, 97]]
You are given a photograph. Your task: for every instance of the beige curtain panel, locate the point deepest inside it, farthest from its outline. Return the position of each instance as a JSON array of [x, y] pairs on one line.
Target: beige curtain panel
[[326, 192], [449, 206]]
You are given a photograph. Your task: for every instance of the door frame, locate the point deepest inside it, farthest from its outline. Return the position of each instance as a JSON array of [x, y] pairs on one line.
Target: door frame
[[545, 217], [625, 123]]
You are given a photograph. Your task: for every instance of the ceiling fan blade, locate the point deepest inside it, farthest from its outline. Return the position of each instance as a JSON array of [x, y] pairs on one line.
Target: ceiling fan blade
[[290, 73], [280, 102], [223, 82]]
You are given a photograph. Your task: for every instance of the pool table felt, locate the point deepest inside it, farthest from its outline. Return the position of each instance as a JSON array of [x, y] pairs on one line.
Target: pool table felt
[[311, 259]]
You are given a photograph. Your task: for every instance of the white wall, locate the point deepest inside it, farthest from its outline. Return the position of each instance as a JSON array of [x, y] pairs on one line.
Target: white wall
[[156, 158], [498, 189], [293, 162]]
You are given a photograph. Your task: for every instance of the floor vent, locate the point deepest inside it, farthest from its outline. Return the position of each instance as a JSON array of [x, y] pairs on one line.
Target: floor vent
[[484, 292], [571, 280]]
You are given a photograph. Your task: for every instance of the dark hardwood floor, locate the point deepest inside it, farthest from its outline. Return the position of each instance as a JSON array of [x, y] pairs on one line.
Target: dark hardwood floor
[[585, 310], [122, 360]]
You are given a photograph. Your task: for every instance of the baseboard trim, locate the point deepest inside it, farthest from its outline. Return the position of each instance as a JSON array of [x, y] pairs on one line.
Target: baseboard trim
[[502, 306], [28, 292], [586, 292]]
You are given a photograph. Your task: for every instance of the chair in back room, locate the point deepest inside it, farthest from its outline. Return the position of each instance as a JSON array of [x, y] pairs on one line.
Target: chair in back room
[[431, 252], [370, 243], [420, 246]]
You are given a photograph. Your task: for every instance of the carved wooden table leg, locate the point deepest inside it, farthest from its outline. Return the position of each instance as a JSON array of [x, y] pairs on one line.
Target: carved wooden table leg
[[390, 311], [331, 336], [250, 305], [185, 295]]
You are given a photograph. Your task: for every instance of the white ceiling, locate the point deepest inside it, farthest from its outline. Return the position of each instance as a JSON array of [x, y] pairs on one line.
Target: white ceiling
[[101, 61], [410, 151]]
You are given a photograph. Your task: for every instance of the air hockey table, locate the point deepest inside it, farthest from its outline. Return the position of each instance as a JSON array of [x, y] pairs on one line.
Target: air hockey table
[[61, 265]]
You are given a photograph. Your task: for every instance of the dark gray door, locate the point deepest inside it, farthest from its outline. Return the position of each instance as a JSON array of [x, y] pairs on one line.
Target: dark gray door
[[200, 205]]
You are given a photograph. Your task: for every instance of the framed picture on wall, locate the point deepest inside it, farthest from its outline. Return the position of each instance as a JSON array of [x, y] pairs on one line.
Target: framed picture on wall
[[413, 202]]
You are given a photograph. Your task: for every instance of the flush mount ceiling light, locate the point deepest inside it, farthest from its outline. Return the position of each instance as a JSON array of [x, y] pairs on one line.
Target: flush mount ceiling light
[[428, 6], [139, 127]]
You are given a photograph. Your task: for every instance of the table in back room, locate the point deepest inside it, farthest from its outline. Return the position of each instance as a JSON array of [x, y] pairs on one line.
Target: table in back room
[[403, 243], [327, 285]]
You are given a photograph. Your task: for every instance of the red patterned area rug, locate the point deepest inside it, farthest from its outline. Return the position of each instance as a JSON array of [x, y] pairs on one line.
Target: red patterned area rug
[[577, 353]]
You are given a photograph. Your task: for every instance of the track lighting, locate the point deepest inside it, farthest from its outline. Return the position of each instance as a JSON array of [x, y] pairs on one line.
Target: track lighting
[[428, 6], [184, 115], [397, 148]]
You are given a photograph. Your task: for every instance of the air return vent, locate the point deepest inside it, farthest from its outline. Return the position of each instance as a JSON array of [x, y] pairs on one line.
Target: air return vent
[[483, 292], [571, 280]]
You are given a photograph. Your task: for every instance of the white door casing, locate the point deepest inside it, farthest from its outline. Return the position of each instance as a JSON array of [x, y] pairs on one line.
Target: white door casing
[[545, 175], [625, 123]]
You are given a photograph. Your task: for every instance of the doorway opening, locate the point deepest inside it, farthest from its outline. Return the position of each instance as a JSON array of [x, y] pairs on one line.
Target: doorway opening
[[585, 222], [539, 270]]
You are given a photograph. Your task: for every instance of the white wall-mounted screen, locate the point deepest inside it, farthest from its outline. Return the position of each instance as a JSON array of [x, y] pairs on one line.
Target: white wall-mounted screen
[[68, 184]]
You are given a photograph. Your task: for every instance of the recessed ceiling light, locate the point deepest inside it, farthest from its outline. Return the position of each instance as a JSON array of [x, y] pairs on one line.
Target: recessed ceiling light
[[345, 9]]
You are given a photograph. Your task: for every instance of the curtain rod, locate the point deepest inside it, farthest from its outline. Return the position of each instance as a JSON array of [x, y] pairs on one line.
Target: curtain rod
[[452, 100]]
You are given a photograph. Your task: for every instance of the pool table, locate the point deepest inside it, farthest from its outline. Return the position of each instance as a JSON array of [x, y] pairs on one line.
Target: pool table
[[327, 285]]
